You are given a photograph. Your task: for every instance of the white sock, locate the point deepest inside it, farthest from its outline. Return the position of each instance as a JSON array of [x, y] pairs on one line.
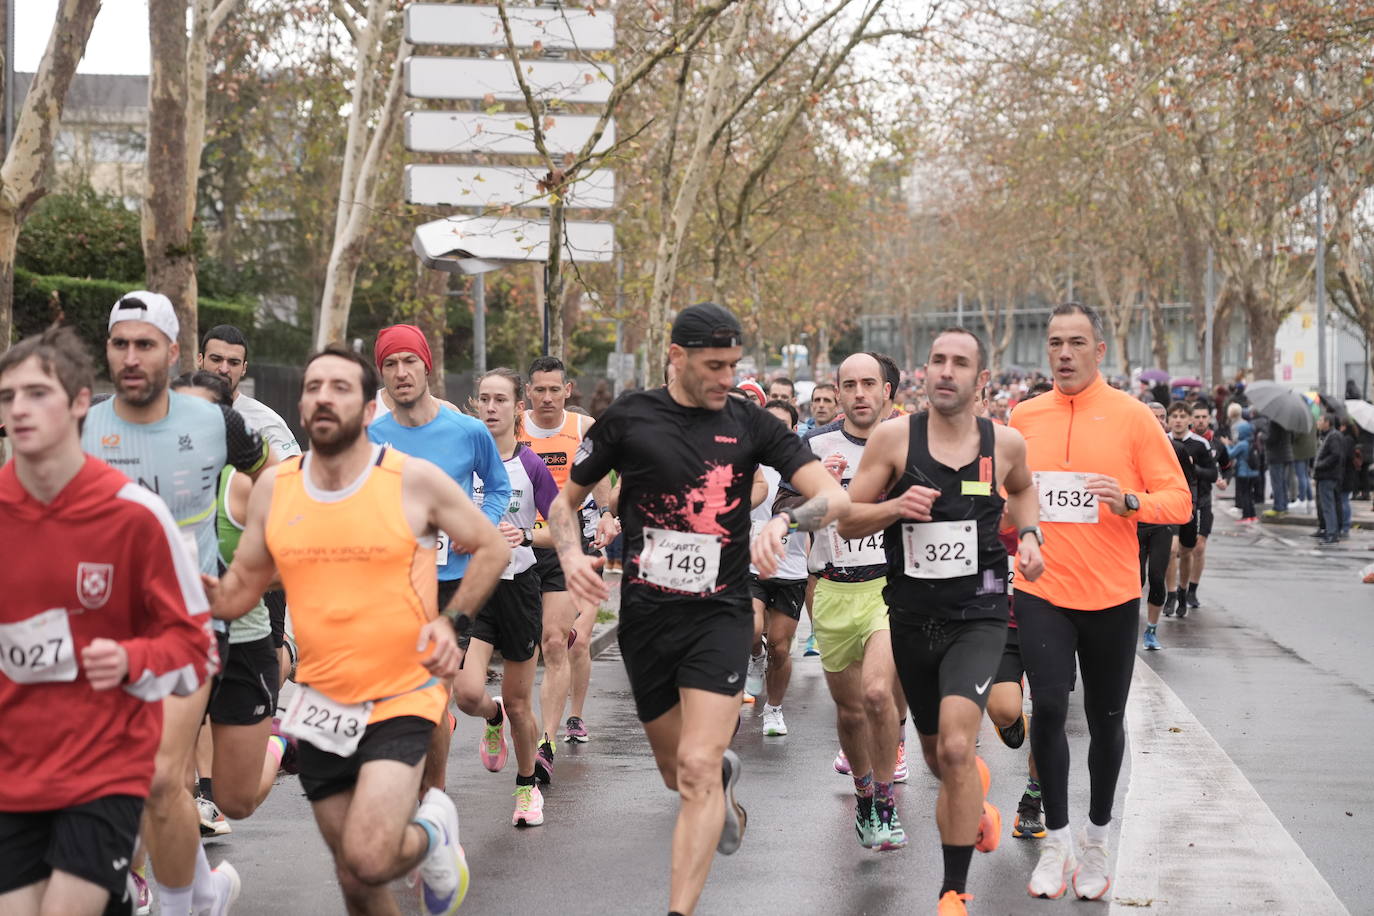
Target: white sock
[[203, 888], [767, 708], [174, 901], [1097, 834], [1063, 836]]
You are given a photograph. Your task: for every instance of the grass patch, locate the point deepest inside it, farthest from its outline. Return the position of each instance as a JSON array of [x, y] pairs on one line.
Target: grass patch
[[605, 616]]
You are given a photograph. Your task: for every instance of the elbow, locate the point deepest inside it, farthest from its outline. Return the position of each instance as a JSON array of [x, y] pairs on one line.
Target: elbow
[[840, 506]]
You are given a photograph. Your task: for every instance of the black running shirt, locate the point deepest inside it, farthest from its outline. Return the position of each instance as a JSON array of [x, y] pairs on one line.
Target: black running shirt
[[689, 470]]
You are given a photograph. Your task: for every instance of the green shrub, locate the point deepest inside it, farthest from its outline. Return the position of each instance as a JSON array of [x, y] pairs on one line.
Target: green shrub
[[82, 233]]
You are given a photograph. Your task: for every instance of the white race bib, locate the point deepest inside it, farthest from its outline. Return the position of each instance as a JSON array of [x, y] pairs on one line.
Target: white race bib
[[680, 560], [333, 727], [940, 550], [1064, 497], [441, 543], [39, 649], [850, 552], [509, 572]]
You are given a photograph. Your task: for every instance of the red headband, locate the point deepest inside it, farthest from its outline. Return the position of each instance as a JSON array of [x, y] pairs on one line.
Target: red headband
[[403, 338]]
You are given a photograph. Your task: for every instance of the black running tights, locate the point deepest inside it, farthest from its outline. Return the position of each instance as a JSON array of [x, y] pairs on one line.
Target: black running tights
[[1156, 543], [1104, 643]]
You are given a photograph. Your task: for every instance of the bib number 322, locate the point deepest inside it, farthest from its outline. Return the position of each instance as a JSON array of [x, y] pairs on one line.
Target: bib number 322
[[940, 550], [333, 727], [39, 649], [1064, 497], [680, 560]]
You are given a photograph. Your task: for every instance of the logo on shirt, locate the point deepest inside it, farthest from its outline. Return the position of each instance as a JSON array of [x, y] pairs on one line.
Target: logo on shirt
[[727, 440], [584, 451], [110, 441], [184, 443], [93, 584], [555, 459]]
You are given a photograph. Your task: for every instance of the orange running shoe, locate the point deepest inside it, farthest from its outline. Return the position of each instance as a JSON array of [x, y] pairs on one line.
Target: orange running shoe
[[989, 828], [983, 775], [952, 904]]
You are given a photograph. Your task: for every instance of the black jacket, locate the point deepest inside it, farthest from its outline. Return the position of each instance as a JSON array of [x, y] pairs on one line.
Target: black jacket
[[1332, 457]]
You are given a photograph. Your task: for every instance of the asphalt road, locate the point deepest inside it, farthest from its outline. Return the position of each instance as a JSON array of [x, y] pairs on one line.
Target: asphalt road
[[1247, 789]]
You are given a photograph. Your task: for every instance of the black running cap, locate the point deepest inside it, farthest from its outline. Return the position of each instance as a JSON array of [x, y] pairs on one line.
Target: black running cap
[[707, 325]]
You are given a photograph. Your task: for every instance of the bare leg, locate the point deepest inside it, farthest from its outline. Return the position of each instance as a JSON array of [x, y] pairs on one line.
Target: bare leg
[[950, 756], [517, 694], [436, 759], [781, 629], [247, 770], [878, 676], [1199, 561], [851, 720], [1004, 703], [171, 827], [580, 659], [60, 894], [559, 614]]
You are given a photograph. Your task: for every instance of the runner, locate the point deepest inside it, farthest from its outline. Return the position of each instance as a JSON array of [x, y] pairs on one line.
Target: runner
[[352, 527], [1200, 467], [419, 425], [176, 446], [1156, 545], [943, 474], [1202, 425], [554, 433], [782, 388], [510, 620], [105, 615], [780, 598], [1101, 467], [686, 455], [850, 616]]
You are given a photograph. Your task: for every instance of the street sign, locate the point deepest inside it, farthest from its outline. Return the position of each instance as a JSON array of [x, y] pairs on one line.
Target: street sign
[[445, 243], [497, 186], [480, 27], [464, 78], [474, 132]]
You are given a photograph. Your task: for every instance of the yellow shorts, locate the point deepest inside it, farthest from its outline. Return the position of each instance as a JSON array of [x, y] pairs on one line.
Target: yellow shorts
[[844, 615]]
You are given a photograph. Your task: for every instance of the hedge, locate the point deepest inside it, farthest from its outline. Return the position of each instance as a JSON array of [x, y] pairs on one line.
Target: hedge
[[85, 305]]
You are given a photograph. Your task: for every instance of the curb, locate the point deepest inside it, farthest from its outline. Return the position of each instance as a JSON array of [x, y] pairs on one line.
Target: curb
[[604, 636]]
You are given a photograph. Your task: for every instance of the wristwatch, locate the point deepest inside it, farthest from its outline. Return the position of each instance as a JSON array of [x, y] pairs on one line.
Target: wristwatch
[[461, 622], [605, 510], [1032, 529], [528, 537], [789, 516], [1132, 503]]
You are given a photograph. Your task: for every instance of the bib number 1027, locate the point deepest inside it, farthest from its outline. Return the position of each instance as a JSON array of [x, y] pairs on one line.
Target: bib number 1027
[[39, 649]]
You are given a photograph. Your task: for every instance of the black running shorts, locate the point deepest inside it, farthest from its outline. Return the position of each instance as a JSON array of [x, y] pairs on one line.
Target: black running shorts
[[276, 613], [690, 644], [447, 589], [937, 657], [245, 692], [551, 571], [786, 596], [93, 841], [1011, 668], [1187, 534], [404, 738], [512, 620], [1204, 520]]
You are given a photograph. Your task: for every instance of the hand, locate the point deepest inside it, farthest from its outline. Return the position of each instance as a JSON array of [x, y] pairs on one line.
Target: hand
[[106, 664], [1029, 562], [444, 660], [607, 528], [1107, 490], [916, 503], [836, 464], [583, 576], [514, 536], [1221, 483], [767, 548], [211, 584]]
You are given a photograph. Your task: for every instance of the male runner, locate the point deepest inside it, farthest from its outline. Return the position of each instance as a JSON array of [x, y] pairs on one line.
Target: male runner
[[943, 474], [825, 407], [1156, 545], [1202, 426], [782, 388], [352, 527], [176, 446], [103, 616], [1200, 467], [686, 455], [511, 619], [850, 616], [419, 425], [554, 434], [1101, 467]]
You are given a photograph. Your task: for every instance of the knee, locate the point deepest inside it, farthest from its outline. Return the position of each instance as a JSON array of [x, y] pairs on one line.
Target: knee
[[366, 863], [954, 752], [169, 782], [555, 648], [932, 759], [778, 650], [235, 802], [1049, 710], [468, 696], [878, 701], [698, 772], [519, 708], [850, 716]]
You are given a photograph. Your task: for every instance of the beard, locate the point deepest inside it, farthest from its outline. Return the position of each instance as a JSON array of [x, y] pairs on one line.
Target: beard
[[346, 432], [157, 383]]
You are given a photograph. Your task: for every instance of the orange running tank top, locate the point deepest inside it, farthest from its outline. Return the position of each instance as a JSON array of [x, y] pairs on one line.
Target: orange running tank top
[[360, 586], [557, 450]]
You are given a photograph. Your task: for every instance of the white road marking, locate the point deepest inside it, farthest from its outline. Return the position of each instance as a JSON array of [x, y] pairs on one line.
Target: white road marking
[[1196, 837]]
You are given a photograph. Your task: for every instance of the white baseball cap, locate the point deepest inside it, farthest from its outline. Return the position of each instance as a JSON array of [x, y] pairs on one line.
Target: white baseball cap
[[154, 308]]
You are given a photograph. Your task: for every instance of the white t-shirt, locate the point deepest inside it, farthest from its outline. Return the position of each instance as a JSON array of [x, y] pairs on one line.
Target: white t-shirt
[[265, 421], [793, 564]]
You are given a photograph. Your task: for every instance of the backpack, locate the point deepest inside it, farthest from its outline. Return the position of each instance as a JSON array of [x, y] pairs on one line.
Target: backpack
[[1258, 460]]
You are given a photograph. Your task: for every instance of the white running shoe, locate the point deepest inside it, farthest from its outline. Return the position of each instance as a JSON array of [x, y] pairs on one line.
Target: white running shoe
[[212, 822], [1051, 876], [228, 886], [753, 680], [900, 773], [444, 869], [1092, 878], [773, 724]]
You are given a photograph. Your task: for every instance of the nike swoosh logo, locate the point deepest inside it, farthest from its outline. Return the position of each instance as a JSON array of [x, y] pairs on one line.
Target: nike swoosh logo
[[983, 688]]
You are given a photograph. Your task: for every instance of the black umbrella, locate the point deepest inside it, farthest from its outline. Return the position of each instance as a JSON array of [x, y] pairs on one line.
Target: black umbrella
[[1282, 405]]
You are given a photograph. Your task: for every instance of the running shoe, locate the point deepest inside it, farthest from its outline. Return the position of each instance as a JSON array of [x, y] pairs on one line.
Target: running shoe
[[746, 699], [753, 679], [1051, 876], [1014, 735], [212, 822], [732, 834], [952, 904], [1151, 640], [290, 763], [142, 894], [842, 764], [1193, 599], [811, 651], [900, 773], [543, 762], [1092, 879], [865, 824], [444, 869], [984, 774], [887, 829], [1169, 600], [529, 807], [493, 750], [575, 730], [989, 828], [1028, 823], [773, 724], [228, 886], [1182, 604]]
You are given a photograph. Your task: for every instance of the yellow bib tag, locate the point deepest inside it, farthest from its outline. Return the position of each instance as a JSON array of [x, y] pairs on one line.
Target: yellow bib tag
[[975, 487]]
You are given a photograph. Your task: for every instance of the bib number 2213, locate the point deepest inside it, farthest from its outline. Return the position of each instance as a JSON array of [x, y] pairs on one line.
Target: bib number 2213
[[330, 726]]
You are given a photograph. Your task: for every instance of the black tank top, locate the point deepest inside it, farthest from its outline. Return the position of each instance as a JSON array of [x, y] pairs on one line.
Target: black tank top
[[968, 494]]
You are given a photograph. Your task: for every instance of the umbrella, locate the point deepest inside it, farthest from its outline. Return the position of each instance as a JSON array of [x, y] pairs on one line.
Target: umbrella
[[1282, 405], [1362, 412], [1154, 375], [1186, 382]]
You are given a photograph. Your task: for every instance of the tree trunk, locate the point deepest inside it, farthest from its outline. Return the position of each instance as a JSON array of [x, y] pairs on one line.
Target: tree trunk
[[433, 320], [169, 259], [553, 289], [1159, 337], [30, 150], [1262, 327]]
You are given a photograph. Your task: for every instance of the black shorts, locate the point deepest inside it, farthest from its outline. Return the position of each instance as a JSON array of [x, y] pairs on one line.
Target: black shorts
[[512, 620], [276, 613], [404, 738], [1187, 534], [937, 657], [1010, 668], [93, 841], [1204, 520], [245, 691], [787, 596], [699, 645], [447, 589]]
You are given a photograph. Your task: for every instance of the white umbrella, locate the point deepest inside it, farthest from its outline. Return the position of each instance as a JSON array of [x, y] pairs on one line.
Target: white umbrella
[[1362, 412]]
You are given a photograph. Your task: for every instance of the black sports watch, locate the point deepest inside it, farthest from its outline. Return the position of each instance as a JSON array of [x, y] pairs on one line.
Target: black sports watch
[[1032, 529], [527, 537], [461, 622], [1132, 503]]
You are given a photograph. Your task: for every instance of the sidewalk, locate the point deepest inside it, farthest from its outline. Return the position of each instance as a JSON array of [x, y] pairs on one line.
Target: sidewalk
[[1361, 512]]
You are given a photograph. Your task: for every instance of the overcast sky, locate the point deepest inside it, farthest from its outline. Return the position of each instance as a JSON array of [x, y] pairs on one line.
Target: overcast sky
[[119, 41]]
